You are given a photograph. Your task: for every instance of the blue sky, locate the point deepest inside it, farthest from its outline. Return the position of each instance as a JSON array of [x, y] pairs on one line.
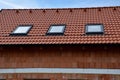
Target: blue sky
[[12, 4]]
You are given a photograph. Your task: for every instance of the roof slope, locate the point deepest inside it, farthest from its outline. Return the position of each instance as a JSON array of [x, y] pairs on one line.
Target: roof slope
[[74, 18]]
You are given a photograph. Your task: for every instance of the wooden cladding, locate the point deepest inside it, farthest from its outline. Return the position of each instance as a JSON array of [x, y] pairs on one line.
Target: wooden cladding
[[55, 57], [59, 77]]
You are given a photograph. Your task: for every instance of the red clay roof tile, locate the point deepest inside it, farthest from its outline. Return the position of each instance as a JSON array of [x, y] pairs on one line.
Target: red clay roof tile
[[74, 18]]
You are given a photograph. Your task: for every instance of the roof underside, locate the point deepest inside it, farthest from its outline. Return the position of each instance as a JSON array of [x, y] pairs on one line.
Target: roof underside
[[74, 19]]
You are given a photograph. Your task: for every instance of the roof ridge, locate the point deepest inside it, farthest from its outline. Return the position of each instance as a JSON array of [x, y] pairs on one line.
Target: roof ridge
[[63, 8]]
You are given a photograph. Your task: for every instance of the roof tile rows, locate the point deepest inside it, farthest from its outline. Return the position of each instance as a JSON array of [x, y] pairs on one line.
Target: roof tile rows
[[74, 18]]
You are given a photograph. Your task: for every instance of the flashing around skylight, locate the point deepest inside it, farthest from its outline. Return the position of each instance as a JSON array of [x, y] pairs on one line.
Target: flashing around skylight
[[94, 29], [56, 30], [22, 30]]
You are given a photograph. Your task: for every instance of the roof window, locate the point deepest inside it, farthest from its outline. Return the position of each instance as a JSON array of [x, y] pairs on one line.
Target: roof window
[[22, 30], [94, 29], [56, 30]]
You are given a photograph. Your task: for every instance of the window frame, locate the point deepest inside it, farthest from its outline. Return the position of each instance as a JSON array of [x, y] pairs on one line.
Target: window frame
[[21, 34], [93, 33], [56, 33]]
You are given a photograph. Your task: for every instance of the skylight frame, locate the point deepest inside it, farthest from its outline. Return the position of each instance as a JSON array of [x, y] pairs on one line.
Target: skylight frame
[[97, 32], [24, 33], [56, 33]]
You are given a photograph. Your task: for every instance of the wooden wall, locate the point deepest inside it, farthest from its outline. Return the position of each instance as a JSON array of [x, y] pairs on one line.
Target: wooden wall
[[66, 56], [59, 77]]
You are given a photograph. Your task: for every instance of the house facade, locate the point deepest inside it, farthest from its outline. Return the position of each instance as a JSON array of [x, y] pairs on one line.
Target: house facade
[[60, 44]]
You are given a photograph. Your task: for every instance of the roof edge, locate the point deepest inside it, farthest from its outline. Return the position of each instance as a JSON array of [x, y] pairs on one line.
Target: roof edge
[[58, 44]]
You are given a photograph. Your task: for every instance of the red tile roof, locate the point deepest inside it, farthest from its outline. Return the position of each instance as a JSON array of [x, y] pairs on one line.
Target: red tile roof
[[74, 18]]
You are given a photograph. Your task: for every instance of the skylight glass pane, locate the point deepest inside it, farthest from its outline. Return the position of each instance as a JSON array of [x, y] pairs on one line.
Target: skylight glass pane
[[94, 28], [21, 30], [56, 29]]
